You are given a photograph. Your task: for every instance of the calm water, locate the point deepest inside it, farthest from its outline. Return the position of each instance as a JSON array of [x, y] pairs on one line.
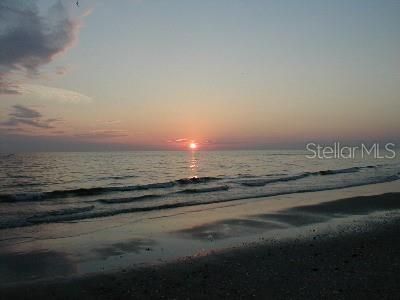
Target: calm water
[[53, 187]]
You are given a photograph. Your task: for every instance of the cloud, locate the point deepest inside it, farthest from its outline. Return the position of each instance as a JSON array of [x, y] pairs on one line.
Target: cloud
[[61, 70], [103, 133], [25, 112], [206, 142], [31, 122], [29, 40], [181, 140], [22, 115], [58, 132], [113, 122], [17, 142], [187, 140], [7, 88], [13, 130], [52, 93], [109, 122]]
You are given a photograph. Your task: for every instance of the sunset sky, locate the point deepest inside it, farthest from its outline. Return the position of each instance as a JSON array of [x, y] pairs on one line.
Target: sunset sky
[[224, 74]]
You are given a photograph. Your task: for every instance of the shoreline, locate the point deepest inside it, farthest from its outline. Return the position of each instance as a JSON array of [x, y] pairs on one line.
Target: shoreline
[[353, 259]]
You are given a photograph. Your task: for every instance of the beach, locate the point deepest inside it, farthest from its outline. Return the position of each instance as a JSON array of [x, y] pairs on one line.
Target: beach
[[224, 224], [352, 252]]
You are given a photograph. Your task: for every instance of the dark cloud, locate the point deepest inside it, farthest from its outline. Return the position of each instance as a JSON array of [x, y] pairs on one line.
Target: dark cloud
[[29, 40], [58, 131], [18, 141], [25, 112], [30, 122], [22, 115]]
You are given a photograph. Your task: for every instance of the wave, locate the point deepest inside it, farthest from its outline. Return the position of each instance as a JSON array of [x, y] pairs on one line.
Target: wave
[[194, 180], [62, 212], [263, 182], [153, 196], [206, 190], [22, 197], [299, 191], [340, 171], [81, 192], [87, 213], [94, 191], [118, 177], [128, 199]]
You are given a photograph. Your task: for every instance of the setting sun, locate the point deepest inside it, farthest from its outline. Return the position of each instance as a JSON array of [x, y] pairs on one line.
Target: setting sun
[[192, 145]]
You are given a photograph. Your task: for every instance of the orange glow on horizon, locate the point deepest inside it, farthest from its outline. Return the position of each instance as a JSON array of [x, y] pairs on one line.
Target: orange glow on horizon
[[193, 145]]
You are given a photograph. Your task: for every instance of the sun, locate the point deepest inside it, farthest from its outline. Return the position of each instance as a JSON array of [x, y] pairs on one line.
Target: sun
[[192, 145]]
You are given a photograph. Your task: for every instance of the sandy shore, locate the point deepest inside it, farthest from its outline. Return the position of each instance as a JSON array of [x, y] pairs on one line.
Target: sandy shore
[[355, 260]]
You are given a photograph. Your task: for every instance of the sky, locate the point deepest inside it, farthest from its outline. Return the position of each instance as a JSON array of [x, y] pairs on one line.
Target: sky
[[224, 74]]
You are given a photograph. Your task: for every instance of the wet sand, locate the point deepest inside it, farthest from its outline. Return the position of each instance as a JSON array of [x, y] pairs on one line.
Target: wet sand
[[355, 260]]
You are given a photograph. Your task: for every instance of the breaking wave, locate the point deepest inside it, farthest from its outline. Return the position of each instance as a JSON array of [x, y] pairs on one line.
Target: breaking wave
[[93, 191], [262, 182], [89, 212], [81, 192]]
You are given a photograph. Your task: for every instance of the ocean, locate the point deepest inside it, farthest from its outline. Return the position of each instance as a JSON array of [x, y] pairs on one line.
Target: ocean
[[45, 188]]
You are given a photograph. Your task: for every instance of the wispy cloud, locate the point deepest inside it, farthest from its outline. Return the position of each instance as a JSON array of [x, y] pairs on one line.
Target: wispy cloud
[[113, 122], [6, 87], [29, 40], [180, 140], [109, 122], [52, 94], [61, 70], [206, 142], [22, 115], [103, 133], [188, 140]]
